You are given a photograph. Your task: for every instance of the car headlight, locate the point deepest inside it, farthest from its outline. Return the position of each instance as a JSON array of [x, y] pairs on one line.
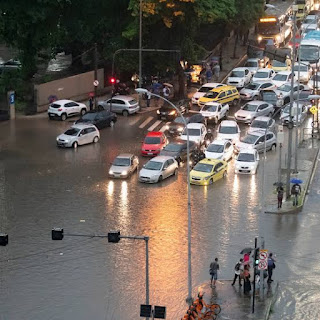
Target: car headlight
[[259, 38], [207, 178], [180, 129], [110, 172], [124, 173], [249, 116], [158, 112], [171, 113], [278, 37]]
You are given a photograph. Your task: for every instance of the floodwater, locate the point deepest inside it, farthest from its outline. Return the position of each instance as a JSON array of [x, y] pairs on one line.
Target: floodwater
[[42, 187]]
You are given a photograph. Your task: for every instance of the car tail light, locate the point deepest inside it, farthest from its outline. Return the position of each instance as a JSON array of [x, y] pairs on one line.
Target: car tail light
[[60, 109]]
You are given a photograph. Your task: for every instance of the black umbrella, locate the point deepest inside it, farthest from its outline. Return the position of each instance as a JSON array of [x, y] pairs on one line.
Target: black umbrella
[[246, 250]]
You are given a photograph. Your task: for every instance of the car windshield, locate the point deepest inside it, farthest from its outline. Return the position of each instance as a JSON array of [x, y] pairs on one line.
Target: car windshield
[[209, 108], [250, 107], [250, 139], [153, 165], [310, 21], [203, 167], [173, 147], [192, 132], [277, 63], [133, 101], [56, 106], [302, 68], [89, 116], [246, 157], [205, 89], [237, 74], [152, 140], [72, 132], [309, 53], [285, 87], [280, 77], [217, 148], [268, 96], [211, 95], [261, 74], [253, 86], [228, 130], [259, 124], [251, 64], [179, 120], [121, 162]]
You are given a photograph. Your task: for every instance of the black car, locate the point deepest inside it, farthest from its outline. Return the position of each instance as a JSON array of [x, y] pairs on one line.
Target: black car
[[101, 119], [178, 150], [168, 112], [176, 127]]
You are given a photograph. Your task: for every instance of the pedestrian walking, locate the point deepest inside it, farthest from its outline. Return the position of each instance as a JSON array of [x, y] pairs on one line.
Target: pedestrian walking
[[295, 191], [216, 71], [280, 193], [148, 97], [246, 279], [208, 74], [271, 266], [91, 104], [214, 267], [238, 270]]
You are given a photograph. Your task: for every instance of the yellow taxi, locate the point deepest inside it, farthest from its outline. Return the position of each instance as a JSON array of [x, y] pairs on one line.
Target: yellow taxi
[[208, 171], [281, 66], [225, 94]]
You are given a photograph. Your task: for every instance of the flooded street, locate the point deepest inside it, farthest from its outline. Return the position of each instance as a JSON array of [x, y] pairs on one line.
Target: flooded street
[[42, 187]]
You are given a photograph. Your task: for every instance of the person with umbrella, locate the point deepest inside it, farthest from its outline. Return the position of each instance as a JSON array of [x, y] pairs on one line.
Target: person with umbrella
[[296, 190]]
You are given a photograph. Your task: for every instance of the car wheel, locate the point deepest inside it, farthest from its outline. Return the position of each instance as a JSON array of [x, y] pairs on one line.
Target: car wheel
[[50, 118], [273, 147], [225, 174], [211, 181], [125, 113], [111, 123], [160, 179], [95, 139], [63, 117], [83, 112], [75, 145], [175, 172]]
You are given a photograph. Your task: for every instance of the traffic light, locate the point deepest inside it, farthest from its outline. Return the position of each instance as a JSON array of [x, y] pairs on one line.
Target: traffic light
[[112, 80], [57, 234], [255, 256], [3, 239], [114, 236]]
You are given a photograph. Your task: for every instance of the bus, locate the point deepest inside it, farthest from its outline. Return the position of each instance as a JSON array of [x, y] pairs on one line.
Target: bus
[[303, 9], [309, 50], [276, 24]]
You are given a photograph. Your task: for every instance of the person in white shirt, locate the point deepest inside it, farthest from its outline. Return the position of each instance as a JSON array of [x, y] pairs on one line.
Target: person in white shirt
[[238, 269]]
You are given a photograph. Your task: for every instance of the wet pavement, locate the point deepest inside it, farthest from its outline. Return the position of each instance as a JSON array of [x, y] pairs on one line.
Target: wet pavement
[[42, 187]]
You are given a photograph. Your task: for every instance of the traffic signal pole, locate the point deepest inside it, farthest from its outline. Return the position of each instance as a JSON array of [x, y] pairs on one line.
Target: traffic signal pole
[[254, 273]]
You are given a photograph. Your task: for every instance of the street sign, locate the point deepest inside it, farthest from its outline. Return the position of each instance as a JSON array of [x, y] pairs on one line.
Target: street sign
[[313, 109], [95, 83], [263, 260], [12, 98]]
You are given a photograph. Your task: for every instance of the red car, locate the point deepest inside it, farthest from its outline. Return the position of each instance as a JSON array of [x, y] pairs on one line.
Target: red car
[[153, 143]]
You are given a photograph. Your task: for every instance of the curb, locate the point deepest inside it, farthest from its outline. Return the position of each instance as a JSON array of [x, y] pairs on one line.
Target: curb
[[305, 191], [271, 303]]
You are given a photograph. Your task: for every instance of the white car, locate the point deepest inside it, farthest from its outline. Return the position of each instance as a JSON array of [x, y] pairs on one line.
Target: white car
[[260, 123], [253, 64], [247, 161], [204, 89], [123, 165], [281, 78], [298, 107], [239, 77], [264, 74], [64, 109], [309, 20], [252, 90], [214, 111], [252, 110], [219, 149], [305, 72], [314, 81], [228, 130], [77, 135], [284, 91], [157, 169], [197, 133]]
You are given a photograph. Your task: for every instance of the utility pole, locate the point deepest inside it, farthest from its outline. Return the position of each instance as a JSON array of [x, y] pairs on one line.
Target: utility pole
[[290, 124], [95, 74], [140, 44], [254, 273]]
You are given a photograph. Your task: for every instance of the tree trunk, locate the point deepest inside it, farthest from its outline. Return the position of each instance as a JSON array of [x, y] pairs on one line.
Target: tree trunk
[[235, 45]]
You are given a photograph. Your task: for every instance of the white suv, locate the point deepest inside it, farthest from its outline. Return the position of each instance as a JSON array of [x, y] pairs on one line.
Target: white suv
[[66, 108]]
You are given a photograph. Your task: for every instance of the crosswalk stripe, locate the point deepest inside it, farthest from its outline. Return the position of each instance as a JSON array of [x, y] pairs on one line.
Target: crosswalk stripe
[[144, 123], [164, 128], [134, 121], [154, 125]]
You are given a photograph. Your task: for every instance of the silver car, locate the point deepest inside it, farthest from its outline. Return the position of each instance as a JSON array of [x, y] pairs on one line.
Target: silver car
[[123, 165], [299, 109], [124, 105], [78, 134], [254, 109], [262, 123], [252, 90], [256, 140], [157, 169]]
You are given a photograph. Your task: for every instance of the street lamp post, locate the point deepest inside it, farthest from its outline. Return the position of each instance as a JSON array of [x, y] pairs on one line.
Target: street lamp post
[[145, 91], [140, 44]]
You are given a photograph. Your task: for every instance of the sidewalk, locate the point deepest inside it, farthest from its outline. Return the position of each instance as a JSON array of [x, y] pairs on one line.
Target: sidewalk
[[307, 161], [235, 305]]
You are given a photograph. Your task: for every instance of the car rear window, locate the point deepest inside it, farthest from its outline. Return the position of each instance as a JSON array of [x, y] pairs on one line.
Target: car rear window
[[56, 106], [132, 102]]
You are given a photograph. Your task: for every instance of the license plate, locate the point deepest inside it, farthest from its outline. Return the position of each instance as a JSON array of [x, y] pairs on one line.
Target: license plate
[[171, 131], [150, 153], [52, 114], [163, 118]]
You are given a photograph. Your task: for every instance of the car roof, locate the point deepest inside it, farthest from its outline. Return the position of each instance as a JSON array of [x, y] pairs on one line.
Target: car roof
[[213, 84], [219, 141], [228, 123], [260, 133], [212, 103], [123, 97], [83, 125], [161, 158], [240, 69], [63, 101], [251, 151], [253, 59], [193, 125], [262, 118], [211, 161], [287, 72], [264, 70], [256, 102], [154, 134], [219, 89], [125, 155]]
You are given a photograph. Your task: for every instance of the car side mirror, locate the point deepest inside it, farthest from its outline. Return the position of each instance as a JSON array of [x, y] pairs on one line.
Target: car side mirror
[[209, 131]]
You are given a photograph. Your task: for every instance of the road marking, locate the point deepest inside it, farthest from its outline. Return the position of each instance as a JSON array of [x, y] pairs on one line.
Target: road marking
[[154, 125], [133, 122], [144, 123], [164, 128]]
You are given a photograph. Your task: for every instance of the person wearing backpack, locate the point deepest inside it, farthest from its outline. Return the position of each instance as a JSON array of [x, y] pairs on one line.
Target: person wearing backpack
[[238, 269], [271, 266]]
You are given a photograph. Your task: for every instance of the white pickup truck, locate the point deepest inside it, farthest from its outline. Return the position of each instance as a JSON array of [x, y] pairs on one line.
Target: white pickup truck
[[214, 111]]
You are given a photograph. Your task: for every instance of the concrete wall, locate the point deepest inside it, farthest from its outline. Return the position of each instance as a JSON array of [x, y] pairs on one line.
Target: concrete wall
[[77, 87]]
